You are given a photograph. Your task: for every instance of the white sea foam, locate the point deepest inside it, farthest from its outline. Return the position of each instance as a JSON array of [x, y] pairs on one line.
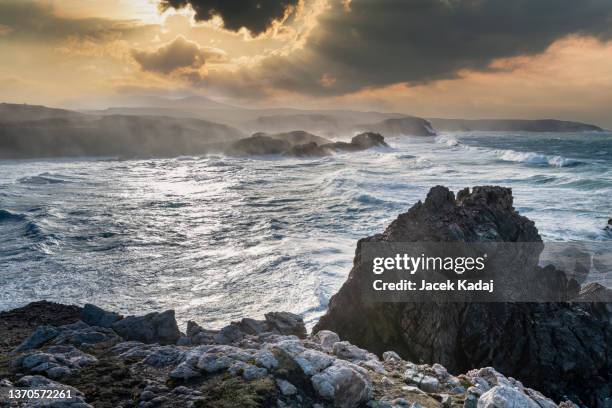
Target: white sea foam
[[448, 140], [535, 158]]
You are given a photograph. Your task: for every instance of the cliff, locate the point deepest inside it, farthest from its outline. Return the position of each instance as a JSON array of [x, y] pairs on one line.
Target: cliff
[[34, 132], [562, 349], [512, 125]]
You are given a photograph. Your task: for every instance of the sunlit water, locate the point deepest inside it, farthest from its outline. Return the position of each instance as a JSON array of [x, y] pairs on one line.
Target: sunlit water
[[219, 238]]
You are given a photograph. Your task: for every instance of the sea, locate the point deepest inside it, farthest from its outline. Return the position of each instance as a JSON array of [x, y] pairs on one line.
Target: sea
[[220, 238]]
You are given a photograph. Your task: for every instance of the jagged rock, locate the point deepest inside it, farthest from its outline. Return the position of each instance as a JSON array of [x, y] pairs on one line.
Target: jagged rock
[[252, 326], [82, 335], [268, 369], [360, 142], [327, 339], [151, 328], [368, 139], [347, 351], [344, 384], [41, 335], [56, 362], [228, 335], [391, 356], [502, 396], [285, 387], [96, 316], [286, 323], [76, 400], [569, 340]]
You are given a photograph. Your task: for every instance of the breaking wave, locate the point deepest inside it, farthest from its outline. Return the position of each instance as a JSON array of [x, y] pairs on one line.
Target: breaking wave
[[536, 158]]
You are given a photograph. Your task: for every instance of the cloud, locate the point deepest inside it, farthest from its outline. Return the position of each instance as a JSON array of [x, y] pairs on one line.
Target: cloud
[[254, 15], [364, 44], [35, 22], [180, 53]]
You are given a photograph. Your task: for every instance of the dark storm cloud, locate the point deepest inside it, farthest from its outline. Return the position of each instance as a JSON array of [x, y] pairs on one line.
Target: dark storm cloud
[[179, 53], [255, 15], [27, 20], [383, 42]]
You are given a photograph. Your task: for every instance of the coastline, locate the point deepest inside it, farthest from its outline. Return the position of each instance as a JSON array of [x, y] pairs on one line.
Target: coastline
[[110, 360]]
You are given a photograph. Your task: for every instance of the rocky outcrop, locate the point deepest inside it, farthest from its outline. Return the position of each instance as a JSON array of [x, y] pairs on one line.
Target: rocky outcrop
[[302, 144], [561, 349], [362, 141], [512, 125], [265, 363], [406, 126], [257, 145], [151, 328], [308, 150], [96, 316]]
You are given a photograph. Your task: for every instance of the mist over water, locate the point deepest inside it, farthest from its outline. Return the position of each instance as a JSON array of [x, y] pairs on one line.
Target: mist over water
[[219, 238]]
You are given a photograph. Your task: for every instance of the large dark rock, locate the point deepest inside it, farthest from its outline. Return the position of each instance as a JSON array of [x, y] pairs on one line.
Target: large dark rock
[[96, 316], [368, 139], [308, 150], [151, 328], [562, 349], [362, 141], [258, 144], [286, 323]]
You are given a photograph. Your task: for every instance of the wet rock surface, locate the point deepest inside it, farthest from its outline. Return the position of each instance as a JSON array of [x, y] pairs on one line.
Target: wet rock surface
[[562, 349]]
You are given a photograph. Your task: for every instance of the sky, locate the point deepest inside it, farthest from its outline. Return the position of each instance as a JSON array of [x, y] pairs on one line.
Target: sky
[[431, 58]]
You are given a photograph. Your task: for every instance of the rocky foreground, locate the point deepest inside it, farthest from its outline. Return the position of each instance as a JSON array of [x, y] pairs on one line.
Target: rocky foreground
[[108, 360]]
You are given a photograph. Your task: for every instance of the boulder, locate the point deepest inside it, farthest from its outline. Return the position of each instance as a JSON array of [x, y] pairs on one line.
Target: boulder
[[505, 397], [41, 335], [96, 316], [84, 336], [568, 339], [327, 339], [368, 139], [286, 323], [344, 384], [151, 328], [76, 400], [55, 362]]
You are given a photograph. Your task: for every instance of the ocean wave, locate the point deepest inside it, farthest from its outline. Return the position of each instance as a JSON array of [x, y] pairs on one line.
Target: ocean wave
[[447, 140], [43, 179], [536, 158], [27, 227], [368, 199], [9, 216]]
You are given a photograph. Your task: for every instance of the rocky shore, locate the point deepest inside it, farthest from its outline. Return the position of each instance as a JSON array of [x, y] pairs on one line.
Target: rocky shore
[[107, 360], [385, 355]]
